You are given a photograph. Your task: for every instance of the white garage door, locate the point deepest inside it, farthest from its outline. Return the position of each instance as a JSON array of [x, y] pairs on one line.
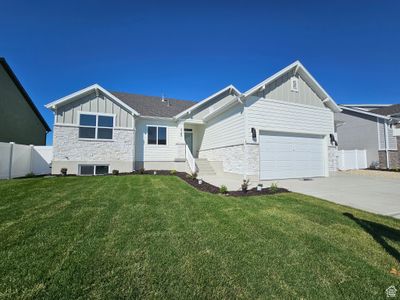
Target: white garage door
[[289, 155]]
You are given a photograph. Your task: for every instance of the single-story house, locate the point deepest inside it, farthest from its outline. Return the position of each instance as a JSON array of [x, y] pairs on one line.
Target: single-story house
[[280, 128], [373, 129], [20, 120]]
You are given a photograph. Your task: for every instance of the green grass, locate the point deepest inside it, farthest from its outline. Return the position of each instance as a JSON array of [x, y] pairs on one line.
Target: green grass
[[157, 237]]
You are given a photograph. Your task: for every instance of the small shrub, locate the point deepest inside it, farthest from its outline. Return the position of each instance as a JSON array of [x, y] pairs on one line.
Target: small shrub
[[30, 175], [223, 189], [245, 185], [374, 165], [172, 172], [192, 175], [115, 172], [64, 171], [274, 187], [142, 171]]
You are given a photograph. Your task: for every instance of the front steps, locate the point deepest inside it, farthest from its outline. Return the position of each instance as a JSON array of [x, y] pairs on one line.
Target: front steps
[[204, 167]]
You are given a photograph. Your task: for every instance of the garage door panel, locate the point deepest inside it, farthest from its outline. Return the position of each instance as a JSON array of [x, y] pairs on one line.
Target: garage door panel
[[285, 155]]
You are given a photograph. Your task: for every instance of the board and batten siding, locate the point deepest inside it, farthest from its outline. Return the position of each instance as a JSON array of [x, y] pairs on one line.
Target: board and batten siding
[[148, 153], [226, 129], [392, 141], [272, 115], [280, 89], [68, 113]]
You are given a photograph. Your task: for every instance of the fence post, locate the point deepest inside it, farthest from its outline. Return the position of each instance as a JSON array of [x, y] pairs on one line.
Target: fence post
[[356, 153], [10, 161], [31, 159]]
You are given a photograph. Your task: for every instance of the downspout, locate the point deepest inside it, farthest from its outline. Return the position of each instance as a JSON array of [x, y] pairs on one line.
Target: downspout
[[387, 146], [245, 167]]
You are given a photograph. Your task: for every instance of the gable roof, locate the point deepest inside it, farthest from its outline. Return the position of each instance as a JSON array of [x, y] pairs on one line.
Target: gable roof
[[298, 67], [364, 112], [154, 106], [90, 89], [19, 86], [209, 98], [388, 110]]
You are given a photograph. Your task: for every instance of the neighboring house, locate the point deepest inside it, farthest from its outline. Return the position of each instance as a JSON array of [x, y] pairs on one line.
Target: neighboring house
[[281, 128], [373, 130], [20, 120]]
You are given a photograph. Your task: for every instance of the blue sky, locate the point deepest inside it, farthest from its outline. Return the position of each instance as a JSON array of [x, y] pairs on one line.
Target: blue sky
[[189, 50]]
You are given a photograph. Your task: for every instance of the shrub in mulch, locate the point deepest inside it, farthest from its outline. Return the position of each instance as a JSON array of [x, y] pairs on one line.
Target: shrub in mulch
[[207, 187]]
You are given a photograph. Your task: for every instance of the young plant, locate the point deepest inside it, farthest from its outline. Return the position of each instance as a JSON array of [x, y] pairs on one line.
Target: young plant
[[172, 172], [142, 171], [274, 187], [223, 189], [115, 172], [64, 171], [245, 185], [192, 175], [30, 175]]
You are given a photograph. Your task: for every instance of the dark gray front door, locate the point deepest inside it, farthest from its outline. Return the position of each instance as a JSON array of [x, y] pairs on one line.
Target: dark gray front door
[[189, 139]]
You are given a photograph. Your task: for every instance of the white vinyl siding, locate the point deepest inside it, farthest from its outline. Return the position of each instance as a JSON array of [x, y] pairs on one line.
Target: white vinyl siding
[[272, 115], [226, 129], [146, 152]]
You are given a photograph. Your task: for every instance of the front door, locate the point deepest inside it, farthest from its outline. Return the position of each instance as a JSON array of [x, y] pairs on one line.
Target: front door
[[189, 139]]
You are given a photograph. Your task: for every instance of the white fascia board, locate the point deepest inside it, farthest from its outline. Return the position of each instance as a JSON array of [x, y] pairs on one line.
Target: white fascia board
[[299, 67], [363, 112], [204, 101], [71, 97]]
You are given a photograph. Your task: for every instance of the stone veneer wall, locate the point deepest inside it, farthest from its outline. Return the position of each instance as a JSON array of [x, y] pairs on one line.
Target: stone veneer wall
[[68, 148], [394, 157], [233, 158], [332, 159]]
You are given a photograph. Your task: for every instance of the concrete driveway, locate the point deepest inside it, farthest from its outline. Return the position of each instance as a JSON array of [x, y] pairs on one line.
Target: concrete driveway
[[373, 191]]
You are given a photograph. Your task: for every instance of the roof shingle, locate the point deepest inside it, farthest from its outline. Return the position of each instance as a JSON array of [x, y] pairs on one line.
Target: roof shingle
[[153, 106], [387, 110]]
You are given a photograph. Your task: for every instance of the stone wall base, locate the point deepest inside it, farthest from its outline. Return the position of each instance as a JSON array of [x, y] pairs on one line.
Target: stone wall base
[[394, 159]]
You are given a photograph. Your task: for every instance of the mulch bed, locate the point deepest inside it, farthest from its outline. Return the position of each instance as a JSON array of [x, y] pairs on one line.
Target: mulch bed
[[204, 187], [207, 187], [385, 170]]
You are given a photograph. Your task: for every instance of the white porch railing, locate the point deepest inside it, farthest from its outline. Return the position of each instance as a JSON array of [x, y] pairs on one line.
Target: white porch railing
[[190, 159]]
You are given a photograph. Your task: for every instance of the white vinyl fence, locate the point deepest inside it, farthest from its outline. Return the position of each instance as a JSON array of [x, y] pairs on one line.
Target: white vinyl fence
[[352, 159], [18, 160]]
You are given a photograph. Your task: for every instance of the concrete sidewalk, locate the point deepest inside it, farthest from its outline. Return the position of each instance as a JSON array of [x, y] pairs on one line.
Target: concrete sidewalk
[[373, 193]]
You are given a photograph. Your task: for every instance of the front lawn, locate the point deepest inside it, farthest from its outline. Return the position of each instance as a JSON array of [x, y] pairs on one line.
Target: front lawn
[[157, 237]]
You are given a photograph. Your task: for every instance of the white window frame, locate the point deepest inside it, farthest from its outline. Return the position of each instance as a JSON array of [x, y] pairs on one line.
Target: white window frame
[[94, 169], [96, 127], [157, 126], [292, 87]]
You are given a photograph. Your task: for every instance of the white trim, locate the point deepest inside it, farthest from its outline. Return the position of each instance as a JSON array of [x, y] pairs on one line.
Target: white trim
[[94, 168], [157, 144], [76, 125], [222, 108], [299, 67], [96, 127], [295, 87], [387, 146], [76, 95], [364, 112], [379, 138], [204, 101]]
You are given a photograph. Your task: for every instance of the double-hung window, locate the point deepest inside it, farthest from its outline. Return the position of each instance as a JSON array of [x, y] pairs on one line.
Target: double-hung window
[[96, 126], [156, 135]]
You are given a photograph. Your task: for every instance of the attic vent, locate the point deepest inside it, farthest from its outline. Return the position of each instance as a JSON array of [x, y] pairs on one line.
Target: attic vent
[[294, 84]]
